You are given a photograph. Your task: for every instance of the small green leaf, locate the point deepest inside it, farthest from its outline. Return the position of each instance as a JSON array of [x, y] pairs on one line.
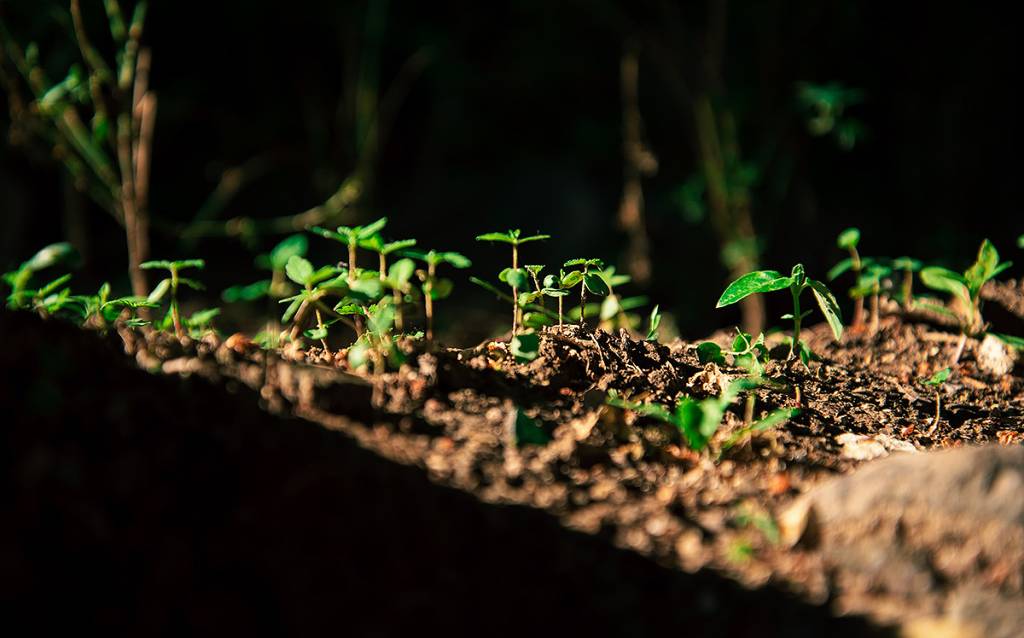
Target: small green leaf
[[515, 277], [371, 229], [595, 283], [316, 333], [191, 283], [401, 272], [358, 354], [848, 239], [829, 307], [293, 307], [525, 347], [753, 282], [49, 256], [251, 292], [160, 290], [499, 237], [840, 268], [441, 289], [572, 279], [947, 281], [1010, 340], [155, 265], [939, 377], [299, 270], [652, 325], [710, 352], [293, 246]]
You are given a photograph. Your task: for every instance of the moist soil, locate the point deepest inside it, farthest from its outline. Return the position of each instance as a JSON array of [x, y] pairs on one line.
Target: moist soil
[[229, 487]]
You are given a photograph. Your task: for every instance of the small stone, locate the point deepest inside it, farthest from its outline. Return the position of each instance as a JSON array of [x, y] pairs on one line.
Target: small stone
[[995, 357]]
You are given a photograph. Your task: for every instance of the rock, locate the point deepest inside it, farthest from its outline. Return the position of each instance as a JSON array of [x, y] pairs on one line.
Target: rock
[[860, 447], [995, 357], [912, 537]]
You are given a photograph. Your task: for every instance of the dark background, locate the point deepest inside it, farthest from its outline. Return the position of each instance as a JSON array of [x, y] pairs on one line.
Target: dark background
[[516, 122]]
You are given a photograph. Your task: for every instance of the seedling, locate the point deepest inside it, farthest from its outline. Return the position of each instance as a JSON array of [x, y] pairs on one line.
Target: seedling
[[966, 291], [652, 324], [433, 288], [316, 284], [376, 344], [274, 261], [18, 280], [398, 277], [132, 304], [91, 307], [199, 323], [352, 237], [698, 421], [870, 283], [936, 381], [514, 276], [763, 281], [848, 240], [592, 281], [171, 283], [376, 244], [908, 266]]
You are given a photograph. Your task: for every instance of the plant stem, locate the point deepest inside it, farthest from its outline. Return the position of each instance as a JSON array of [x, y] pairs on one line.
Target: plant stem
[[748, 412], [858, 303], [515, 292], [583, 297], [959, 348], [938, 408], [351, 261], [175, 314], [320, 325], [908, 287], [560, 312], [428, 290], [796, 320], [873, 328]]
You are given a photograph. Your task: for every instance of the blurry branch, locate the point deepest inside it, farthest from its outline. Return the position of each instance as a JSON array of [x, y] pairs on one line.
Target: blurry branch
[[122, 111], [331, 212], [638, 162]]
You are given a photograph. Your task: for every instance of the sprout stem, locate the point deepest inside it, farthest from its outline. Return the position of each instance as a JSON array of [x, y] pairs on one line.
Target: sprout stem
[[908, 287], [873, 328], [858, 303], [583, 297], [938, 407], [796, 320], [428, 289], [175, 314], [515, 292], [320, 325]]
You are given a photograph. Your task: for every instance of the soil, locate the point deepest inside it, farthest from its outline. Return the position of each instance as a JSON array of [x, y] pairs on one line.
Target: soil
[[178, 480]]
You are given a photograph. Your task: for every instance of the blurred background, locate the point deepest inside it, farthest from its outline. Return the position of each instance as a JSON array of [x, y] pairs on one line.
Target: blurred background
[[681, 142]]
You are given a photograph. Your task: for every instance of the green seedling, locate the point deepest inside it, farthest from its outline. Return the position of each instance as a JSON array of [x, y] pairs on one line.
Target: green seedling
[[764, 281], [196, 325], [316, 285], [965, 290], [515, 276], [936, 381], [559, 287], [171, 284], [653, 324], [382, 249], [1020, 242], [352, 237], [848, 240], [908, 267], [275, 261], [18, 280], [398, 279], [376, 345], [132, 305], [434, 288], [94, 308], [870, 283], [587, 280]]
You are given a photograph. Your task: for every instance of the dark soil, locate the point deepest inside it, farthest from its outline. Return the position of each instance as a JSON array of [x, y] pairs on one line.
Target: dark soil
[[195, 507]]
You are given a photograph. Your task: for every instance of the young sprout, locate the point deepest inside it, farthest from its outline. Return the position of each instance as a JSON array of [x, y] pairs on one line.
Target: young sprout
[[592, 281], [316, 284], [848, 240], [653, 323], [19, 279], [908, 266], [763, 281], [966, 291], [274, 261], [698, 421], [398, 277], [171, 284], [936, 381], [870, 283], [515, 276], [376, 244], [433, 288], [558, 287], [132, 304], [376, 344], [352, 237]]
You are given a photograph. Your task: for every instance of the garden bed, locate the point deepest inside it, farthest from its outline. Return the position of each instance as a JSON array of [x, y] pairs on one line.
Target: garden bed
[[221, 481]]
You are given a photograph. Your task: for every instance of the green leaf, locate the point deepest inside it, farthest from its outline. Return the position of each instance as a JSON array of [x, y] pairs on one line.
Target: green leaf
[[365, 232], [155, 265], [589, 263], [572, 279], [455, 259], [595, 283], [202, 318], [515, 277], [771, 420], [293, 246], [688, 419], [534, 238], [316, 333], [840, 268], [189, 263], [506, 238], [947, 281], [529, 431], [395, 246], [710, 352], [652, 325], [848, 239], [525, 347], [554, 292], [982, 269], [160, 290], [49, 256], [906, 263], [293, 307], [368, 288], [330, 234], [939, 377], [1020, 242], [358, 354], [829, 307], [441, 289], [191, 283], [401, 272], [299, 270], [381, 318], [753, 282]]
